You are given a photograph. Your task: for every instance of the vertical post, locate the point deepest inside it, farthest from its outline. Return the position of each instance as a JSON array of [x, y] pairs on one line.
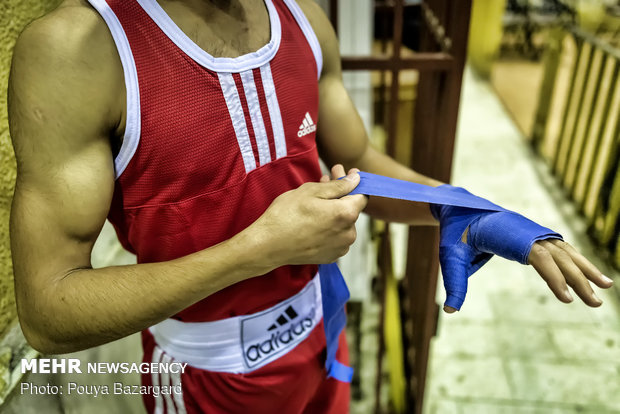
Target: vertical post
[[333, 14], [434, 133]]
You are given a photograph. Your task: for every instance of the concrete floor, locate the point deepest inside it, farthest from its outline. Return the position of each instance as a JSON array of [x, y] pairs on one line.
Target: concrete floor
[[513, 348]]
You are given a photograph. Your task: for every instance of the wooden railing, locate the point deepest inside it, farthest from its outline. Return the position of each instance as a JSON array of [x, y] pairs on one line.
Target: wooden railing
[[577, 128]]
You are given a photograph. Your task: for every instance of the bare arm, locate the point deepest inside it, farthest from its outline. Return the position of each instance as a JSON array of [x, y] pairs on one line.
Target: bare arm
[[343, 140], [342, 137], [63, 108]]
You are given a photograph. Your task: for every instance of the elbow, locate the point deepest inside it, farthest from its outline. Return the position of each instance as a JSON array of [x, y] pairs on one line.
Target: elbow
[[40, 342], [41, 338]]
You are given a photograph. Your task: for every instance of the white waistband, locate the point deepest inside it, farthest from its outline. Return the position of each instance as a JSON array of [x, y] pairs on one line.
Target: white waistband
[[242, 344]]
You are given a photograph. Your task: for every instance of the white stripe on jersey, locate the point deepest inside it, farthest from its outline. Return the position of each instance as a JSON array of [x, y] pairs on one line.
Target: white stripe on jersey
[[165, 381], [274, 110], [159, 402], [175, 380], [309, 119], [260, 133], [235, 110]]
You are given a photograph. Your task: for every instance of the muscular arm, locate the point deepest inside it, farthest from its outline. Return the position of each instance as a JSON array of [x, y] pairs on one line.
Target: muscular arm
[[63, 107]]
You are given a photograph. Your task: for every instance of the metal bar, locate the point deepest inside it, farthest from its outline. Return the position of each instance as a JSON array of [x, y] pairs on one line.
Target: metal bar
[[333, 14], [397, 40], [598, 224], [420, 61], [547, 89], [571, 89], [592, 85], [385, 266], [605, 153], [571, 115], [397, 34], [585, 165], [596, 41], [611, 229], [436, 29], [433, 148]]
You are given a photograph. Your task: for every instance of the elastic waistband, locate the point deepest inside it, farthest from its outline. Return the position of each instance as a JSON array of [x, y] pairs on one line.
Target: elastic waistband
[[242, 344]]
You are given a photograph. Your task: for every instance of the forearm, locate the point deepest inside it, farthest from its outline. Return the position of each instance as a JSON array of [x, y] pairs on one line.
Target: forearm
[[88, 307], [391, 209]]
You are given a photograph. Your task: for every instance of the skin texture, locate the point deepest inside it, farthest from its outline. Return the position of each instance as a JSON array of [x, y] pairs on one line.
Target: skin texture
[[67, 116]]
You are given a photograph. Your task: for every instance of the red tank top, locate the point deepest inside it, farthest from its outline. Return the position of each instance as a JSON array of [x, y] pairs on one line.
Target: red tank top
[[210, 142]]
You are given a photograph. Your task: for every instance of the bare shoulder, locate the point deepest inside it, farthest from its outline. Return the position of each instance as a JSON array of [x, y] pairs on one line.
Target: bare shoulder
[[73, 30], [67, 60], [325, 34], [318, 20]]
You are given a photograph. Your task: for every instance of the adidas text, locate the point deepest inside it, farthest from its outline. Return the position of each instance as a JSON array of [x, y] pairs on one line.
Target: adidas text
[[277, 340]]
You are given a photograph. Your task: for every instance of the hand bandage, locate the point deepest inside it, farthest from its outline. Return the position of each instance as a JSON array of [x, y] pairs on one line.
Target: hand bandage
[[501, 232], [491, 230]]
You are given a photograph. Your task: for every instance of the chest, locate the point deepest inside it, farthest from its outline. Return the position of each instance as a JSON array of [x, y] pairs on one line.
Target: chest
[[222, 28], [204, 123]]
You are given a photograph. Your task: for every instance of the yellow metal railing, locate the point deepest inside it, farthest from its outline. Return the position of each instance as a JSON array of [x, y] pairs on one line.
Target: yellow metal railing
[[577, 128]]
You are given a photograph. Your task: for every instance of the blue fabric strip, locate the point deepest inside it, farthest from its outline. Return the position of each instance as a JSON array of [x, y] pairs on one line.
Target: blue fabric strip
[[335, 295], [333, 287], [341, 372], [380, 186]]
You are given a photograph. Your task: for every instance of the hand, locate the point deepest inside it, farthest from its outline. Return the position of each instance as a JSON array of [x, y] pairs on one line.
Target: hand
[[557, 262], [470, 237], [338, 172], [312, 224], [560, 265]]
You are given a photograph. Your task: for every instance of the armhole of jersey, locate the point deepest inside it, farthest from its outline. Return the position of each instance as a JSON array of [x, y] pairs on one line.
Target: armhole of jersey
[[131, 137], [306, 28]]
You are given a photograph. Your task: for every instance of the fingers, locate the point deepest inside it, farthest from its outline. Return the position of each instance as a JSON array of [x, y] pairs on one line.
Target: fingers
[[573, 274], [337, 171], [448, 309], [358, 202], [454, 300], [454, 272], [336, 188], [589, 270], [542, 260], [561, 266]]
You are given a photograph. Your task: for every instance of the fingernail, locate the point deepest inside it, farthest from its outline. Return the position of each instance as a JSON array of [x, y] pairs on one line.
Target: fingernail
[[448, 309], [596, 298], [606, 279], [351, 177], [567, 295]]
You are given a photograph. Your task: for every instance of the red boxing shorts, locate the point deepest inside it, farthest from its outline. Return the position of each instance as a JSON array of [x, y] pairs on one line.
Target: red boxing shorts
[[269, 362]]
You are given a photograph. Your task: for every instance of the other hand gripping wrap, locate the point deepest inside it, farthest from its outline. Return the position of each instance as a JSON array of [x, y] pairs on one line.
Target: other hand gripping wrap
[[491, 230]]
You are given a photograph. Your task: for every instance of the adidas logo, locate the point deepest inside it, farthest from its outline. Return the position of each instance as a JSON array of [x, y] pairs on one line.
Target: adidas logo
[[290, 311], [306, 127], [287, 330]]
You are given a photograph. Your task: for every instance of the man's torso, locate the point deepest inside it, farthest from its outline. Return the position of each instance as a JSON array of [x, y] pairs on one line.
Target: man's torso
[[204, 24]]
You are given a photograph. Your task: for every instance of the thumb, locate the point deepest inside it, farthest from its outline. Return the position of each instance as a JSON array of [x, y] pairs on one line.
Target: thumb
[[337, 188], [454, 272]]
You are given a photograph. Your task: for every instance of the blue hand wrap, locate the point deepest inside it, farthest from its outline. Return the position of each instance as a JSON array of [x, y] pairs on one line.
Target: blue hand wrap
[[492, 230], [501, 232]]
